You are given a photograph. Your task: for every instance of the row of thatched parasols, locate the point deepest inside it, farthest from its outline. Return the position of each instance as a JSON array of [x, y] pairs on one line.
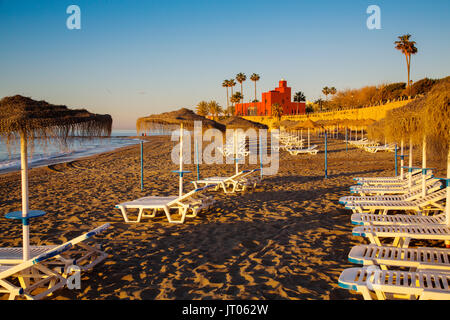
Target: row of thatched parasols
[[423, 122], [186, 119]]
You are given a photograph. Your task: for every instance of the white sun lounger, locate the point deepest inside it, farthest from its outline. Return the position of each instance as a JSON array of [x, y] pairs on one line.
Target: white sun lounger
[[374, 283], [396, 178], [416, 194], [383, 190], [295, 151], [427, 203], [367, 219], [237, 182], [386, 147], [81, 254], [402, 234], [193, 202], [415, 259], [37, 273]]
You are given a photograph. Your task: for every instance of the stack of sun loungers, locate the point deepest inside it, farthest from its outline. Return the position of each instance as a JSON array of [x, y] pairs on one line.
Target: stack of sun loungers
[[48, 267], [294, 145], [289, 141], [391, 222]]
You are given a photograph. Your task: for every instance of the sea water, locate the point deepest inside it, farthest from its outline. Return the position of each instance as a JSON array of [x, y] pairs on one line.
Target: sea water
[[54, 152]]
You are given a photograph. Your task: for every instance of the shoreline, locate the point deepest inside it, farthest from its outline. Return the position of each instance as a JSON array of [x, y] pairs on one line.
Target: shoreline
[[54, 161]]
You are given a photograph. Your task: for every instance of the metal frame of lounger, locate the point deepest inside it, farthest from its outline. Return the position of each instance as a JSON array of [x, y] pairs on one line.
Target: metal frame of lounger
[[404, 197], [372, 282], [192, 200], [402, 234], [82, 255], [428, 203], [238, 182], [423, 258], [36, 273]]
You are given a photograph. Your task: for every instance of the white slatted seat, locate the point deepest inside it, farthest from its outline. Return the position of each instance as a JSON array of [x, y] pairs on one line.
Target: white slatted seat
[[423, 258], [402, 234], [429, 202], [395, 219], [374, 283]]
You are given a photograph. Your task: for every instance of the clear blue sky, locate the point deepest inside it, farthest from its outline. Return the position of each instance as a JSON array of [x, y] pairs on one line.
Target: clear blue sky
[[134, 58]]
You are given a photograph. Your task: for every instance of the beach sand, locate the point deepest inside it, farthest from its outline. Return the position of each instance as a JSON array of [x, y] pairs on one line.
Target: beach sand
[[287, 239]]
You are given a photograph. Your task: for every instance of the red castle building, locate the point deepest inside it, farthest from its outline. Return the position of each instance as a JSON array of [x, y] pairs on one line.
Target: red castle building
[[281, 96]]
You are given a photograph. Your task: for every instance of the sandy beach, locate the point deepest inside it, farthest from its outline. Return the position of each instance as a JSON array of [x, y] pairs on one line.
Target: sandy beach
[[287, 239]]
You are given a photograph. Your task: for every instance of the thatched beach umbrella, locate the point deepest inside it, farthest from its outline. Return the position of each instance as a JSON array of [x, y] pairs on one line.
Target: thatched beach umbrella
[[437, 127], [406, 122], [244, 124], [28, 119], [184, 118], [307, 124]]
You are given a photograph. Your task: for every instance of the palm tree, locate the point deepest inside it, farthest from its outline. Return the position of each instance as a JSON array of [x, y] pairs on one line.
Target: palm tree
[[214, 109], [231, 83], [408, 48], [299, 97], [240, 77], [332, 91], [255, 77], [235, 98], [202, 108], [226, 84], [326, 92], [277, 111]]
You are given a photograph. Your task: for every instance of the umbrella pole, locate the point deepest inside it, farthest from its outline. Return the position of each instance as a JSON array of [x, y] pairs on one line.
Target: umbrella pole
[[424, 165], [447, 206], [308, 139], [24, 174], [142, 165], [410, 163], [235, 152], [198, 162], [181, 160], [326, 163], [346, 140], [395, 154], [401, 160], [260, 156]]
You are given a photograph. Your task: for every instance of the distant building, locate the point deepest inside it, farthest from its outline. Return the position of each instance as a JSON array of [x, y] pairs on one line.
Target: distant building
[[281, 95]]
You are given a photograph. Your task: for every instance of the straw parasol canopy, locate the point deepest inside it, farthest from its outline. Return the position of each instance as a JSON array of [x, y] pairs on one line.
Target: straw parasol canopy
[[437, 117], [173, 119], [241, 123], [406, 122], [287, 123], [31, 119], [184, 118], [40, 119], [307, 124], [437, 127], [376, 131]]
